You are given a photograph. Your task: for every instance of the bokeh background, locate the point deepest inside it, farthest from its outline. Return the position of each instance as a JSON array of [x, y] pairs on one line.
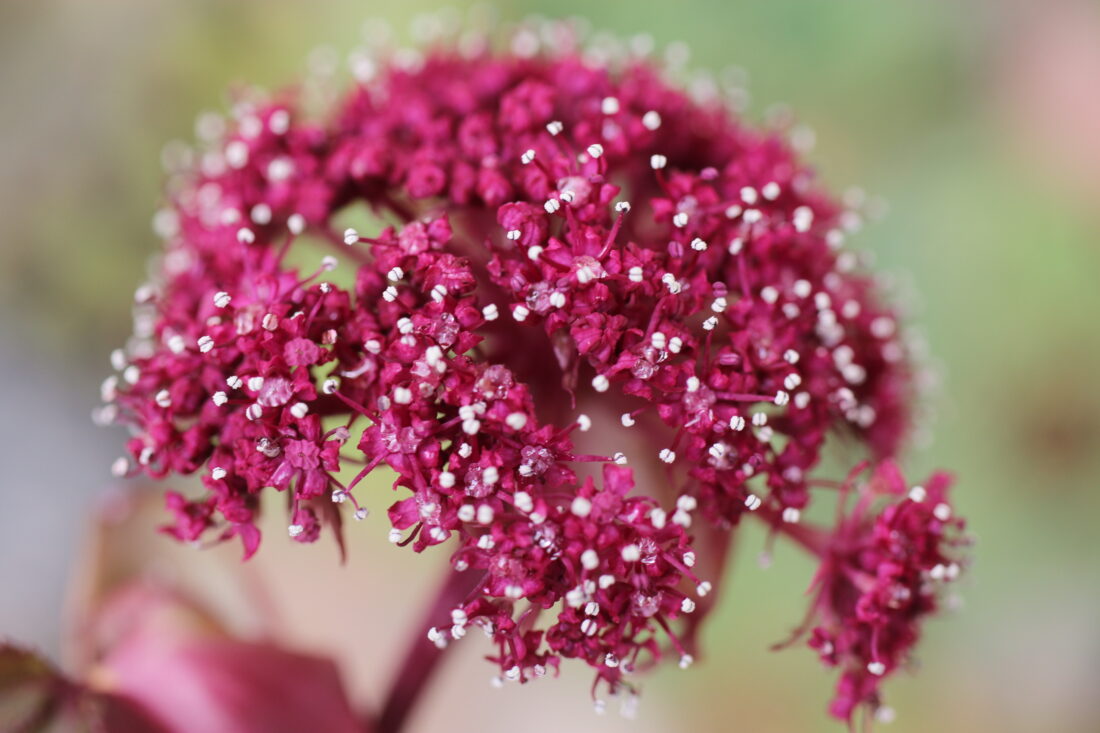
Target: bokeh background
[[977, 123]]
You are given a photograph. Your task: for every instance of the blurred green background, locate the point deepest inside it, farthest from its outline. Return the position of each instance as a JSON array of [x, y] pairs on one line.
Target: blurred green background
[[977, 122]]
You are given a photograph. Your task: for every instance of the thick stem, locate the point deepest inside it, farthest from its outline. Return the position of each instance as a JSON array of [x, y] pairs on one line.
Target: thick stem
[[422, 658]]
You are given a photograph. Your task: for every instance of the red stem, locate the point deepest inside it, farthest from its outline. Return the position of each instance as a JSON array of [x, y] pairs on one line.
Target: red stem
[[422, 658]]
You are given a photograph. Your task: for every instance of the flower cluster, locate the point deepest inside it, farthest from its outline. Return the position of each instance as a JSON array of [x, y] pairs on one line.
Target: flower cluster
[[881, 574], [564, 232]]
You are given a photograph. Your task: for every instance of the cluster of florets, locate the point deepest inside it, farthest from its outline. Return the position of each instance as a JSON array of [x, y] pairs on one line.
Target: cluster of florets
[[563, 232]]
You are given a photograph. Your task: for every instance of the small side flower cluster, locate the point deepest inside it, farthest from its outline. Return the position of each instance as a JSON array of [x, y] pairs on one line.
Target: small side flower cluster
[[566, 232], [882, 573]]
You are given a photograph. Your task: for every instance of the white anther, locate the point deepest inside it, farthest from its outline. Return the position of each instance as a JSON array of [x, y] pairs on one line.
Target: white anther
[[330, 385], [698, 245], [109, 389], [770, 191], [710, 323], [883, 327], [176, 344], [737, 422], [568, 196], [551, 205], [803, 218], [590, 560], [791, 381], [279, 121], [693, 384], [219, 398], [651, 120], [769, 294], [680, 219], [236, 154], [589, 627], [254, 412], [485, 516], [205, 344], [782, 398], [657, 162], [395, 536], [753, 502], [222, 299], [295, 530], [876, 668], [760, 419], [163, 398], [609, 106], [261, 214], [120, 467], [520, 312], [516, 421], [555, 127], [296, 223], [675, 344], [733, 211], [687, 605], [351, 236], [631, 553], [471, 426], [627, 420], [600, 383], [439, 292], [659, 340], [533, 252], [524, 502], [687, 503], [329, 263], [581, 507], [667, 455], [246, 235], [622, 207], [595, 150], [719, 305], [619, 458], [218, 473], [527, 157], [703, 588], [751, 216], [584, 423], [942, 512], [557, 299], [402, 395], [748, 195], [791, 515], [918, 494], [735, 246]]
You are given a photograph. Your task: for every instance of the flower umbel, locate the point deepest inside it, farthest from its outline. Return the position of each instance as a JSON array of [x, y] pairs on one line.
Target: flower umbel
[[557, 232]]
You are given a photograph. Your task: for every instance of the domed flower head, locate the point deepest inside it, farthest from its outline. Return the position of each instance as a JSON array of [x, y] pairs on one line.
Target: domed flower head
[[561, 230]]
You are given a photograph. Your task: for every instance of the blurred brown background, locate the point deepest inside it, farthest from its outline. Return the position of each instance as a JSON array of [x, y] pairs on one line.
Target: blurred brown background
[[978, 122]]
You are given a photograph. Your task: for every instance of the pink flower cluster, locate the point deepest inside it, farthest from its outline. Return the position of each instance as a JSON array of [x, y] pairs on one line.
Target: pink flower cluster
[[562, 233]]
